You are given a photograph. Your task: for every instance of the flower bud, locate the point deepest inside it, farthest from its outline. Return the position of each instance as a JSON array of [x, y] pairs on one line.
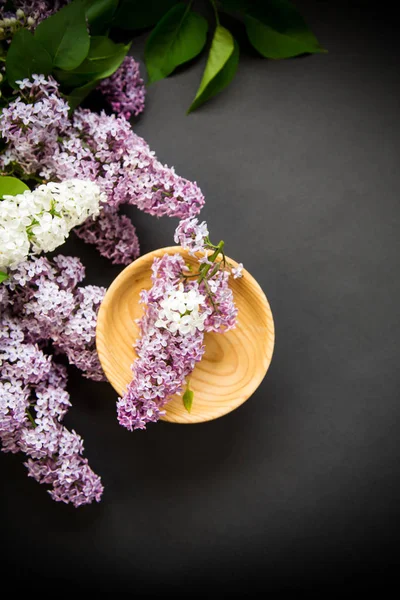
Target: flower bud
[[20, 13]]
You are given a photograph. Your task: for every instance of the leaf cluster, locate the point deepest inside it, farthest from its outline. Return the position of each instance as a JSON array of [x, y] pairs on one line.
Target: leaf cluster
[[76, 45]]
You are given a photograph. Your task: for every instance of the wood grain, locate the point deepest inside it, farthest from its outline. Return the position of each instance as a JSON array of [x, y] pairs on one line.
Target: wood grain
[[234, 364]]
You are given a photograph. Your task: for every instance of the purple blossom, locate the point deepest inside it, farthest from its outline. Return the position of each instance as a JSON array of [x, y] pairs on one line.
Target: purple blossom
[[181, 305], [77, 337], [125, 90], [104, 147], [237, 272], [49, 306], [32, 124], [191, 235], [33, 401], [165, 359], [114, 236], [43, 141]]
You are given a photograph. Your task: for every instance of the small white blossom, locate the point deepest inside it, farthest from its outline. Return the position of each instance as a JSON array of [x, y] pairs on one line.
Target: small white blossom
[[14, 243], [180, 312], [237, 272]]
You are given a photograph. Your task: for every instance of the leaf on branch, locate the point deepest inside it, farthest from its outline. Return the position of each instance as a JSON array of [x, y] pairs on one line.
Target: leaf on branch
[[11, 186], [3, 276], [277, 30], [99, 14], [220, 68], [104, 58], [136, 14], [178, 37], [65, 37], [25, 57]]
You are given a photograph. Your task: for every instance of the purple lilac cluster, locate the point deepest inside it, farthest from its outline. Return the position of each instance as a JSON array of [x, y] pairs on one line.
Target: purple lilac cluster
[[43, 141], [165, 359], [33, 402], [114, 236], [125, 90], [193, 236], [49, 305], [31, 125], [104, 147], [179, 308]]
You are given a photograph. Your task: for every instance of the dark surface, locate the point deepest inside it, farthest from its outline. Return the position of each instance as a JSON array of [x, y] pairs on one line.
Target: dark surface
[[299, 487]]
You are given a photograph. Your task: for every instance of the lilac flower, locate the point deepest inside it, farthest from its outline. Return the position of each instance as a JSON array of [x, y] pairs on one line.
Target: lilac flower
[[50, 306], [237, 272], [114, 236], [191, 235], [77, 338], [224, 313], [165, 357], [40, 220], [104, 147], [125, 90], [180, 307], [44, 142], [32, 124], [41, 298]]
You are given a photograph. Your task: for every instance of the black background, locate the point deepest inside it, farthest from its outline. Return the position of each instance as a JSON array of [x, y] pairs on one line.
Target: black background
[[299, 487]]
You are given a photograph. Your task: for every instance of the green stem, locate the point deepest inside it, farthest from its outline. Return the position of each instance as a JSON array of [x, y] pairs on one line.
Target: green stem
[[215, 11], [219, 249], [32, 420]]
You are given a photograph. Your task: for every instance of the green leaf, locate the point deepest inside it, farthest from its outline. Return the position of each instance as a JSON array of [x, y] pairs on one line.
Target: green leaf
[[78, 94], [104, 58], [11, 186], [236, 5], [99, 14], [96, 9], [26, 57], [220, 68], [65, 36], [3, 276], [277, 30], [136, 14], [188, 399], [178, 37]]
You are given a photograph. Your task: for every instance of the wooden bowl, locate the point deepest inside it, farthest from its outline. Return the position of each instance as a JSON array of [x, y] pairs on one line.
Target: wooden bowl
[[234, 363]]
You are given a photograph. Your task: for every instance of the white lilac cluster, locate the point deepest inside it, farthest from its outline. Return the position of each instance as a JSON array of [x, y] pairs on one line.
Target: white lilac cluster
[[180, 311], [40, 220]]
